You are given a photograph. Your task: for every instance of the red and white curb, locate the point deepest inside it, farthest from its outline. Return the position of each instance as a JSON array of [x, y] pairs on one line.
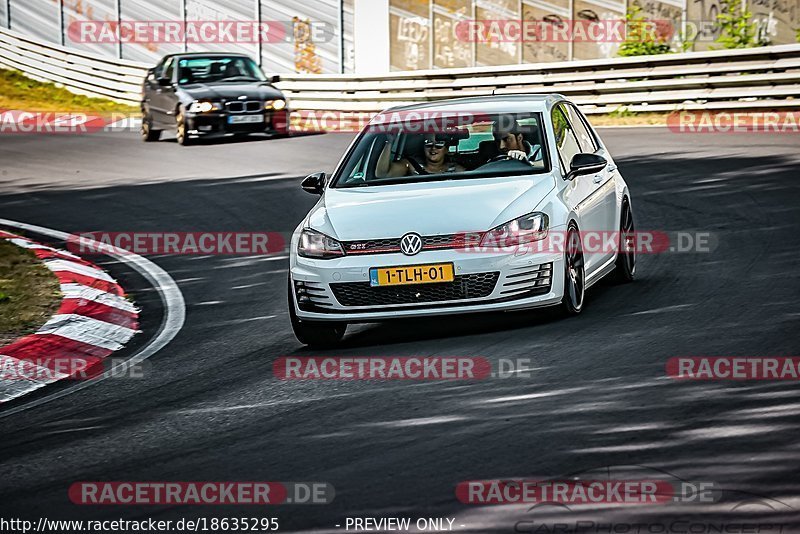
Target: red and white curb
[[94, 320]]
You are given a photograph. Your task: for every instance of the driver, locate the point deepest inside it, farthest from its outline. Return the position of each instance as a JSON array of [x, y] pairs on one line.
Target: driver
[[436, 159], [510, 141]]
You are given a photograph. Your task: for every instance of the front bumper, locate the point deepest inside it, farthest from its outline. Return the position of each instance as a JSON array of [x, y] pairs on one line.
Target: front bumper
[[338, 289], [217, 123]]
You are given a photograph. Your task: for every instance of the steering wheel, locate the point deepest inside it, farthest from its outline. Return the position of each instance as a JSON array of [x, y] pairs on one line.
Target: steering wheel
[[417, 166], [500, 157]]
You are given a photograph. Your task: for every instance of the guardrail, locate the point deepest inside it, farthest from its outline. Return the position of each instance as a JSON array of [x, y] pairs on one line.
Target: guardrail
[[755, 78], [80, 72]]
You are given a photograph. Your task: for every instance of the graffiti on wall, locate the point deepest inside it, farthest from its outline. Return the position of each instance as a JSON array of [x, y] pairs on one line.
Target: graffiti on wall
[[306, 59]]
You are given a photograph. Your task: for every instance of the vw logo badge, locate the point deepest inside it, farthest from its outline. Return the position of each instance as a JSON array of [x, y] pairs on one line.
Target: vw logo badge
[[411, 244]]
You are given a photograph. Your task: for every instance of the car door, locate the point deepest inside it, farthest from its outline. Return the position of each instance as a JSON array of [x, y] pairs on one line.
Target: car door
[[580, 193], [151, 85], [164, 99], [605, 187]]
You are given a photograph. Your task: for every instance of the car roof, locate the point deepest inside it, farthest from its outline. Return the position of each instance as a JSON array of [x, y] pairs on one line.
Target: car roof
[[516, 103], [205, 54]]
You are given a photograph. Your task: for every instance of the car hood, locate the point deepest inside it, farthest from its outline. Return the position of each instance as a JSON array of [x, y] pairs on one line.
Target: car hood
[[232, 91], [428, 208]]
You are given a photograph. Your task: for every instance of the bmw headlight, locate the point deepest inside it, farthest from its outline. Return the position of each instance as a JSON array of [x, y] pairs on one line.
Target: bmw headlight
[[525, 229], [276, 105], [316, 245], [204, 107]]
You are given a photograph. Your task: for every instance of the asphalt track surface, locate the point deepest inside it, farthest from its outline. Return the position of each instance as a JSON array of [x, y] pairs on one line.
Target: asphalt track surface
[[209, 407]]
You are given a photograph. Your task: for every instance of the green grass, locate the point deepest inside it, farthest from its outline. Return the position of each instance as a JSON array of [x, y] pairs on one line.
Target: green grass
[[29, 292], [17, 91]]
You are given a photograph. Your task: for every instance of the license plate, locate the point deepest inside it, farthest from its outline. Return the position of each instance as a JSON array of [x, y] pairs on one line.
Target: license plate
[[412, 274], [245, 119]]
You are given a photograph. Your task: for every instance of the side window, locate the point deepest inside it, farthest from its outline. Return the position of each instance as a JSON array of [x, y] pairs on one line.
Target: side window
[[585, 137], [566, 141], [169, 68]]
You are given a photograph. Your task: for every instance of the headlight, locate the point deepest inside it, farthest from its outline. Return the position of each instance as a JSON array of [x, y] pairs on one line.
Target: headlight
[[277, 105], [316, 245], [204, 107], [530, 227]]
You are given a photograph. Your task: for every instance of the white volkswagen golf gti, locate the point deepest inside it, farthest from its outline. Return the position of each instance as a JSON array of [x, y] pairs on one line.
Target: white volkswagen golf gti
[[441, 208]]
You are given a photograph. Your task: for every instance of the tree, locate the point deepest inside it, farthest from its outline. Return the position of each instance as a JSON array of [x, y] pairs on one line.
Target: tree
[[643, 36], [737, 29]]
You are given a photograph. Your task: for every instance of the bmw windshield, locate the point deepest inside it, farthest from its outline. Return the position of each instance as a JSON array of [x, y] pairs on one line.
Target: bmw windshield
[[446, 147], [219, 69]]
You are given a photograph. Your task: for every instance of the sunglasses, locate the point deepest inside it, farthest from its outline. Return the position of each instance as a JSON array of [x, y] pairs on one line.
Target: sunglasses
[[438, 143]]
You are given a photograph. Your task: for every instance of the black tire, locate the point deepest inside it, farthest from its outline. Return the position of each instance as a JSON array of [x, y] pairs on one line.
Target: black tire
[[180, 129], [625, 269], [317, 335], [574, 274], [149, 135]]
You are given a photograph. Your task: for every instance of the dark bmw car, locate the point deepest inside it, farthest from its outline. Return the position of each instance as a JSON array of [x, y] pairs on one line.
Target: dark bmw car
[[206, 94]]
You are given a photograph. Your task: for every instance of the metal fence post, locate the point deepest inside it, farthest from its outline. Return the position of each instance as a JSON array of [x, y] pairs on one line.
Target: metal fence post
[[259, 44], [8, 14], [118, 14], [341, 37], [61, 22], [183, 17]]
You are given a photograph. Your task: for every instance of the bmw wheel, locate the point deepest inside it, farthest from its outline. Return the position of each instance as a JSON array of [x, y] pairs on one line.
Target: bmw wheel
[[180, 129], [149, 134], [574, 274]]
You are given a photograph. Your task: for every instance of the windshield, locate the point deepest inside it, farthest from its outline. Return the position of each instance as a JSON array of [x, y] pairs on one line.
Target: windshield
[[219, 69], [480, 146]]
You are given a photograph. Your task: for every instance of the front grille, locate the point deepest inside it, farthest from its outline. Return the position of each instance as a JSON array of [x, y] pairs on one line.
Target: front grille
[[251, 106], [468, 286], [391, 245]]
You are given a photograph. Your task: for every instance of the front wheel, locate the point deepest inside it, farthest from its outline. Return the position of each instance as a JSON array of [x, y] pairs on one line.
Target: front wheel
[[315, 334], [574, 274], [180, 129], [625, 268]]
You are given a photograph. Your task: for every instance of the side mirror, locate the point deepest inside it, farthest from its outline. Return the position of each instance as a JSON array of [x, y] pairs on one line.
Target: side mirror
[[583, 164], [275, 79], [314, 183], [164, 82]]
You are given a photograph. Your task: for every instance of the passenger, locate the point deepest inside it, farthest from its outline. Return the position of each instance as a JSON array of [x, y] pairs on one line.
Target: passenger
[[436, 160]]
